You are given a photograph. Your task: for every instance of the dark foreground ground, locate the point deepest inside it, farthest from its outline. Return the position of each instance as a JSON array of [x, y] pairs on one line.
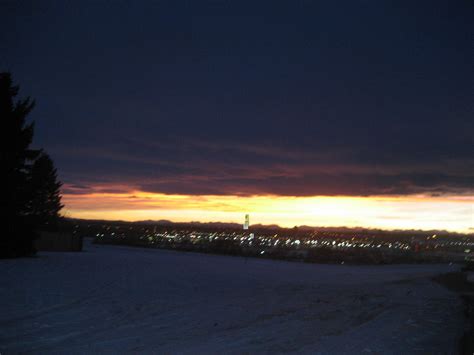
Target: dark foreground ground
[[463, 284], [115, 299]]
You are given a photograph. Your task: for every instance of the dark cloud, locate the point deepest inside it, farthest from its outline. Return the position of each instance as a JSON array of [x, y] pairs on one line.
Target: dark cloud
[[200, 168], [322, 184], [290, 98]]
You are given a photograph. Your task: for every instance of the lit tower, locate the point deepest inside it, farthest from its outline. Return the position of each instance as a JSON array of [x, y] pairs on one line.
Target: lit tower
[[246, 222]]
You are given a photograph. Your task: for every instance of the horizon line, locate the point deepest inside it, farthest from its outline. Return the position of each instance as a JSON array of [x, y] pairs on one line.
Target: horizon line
[[275, 225]]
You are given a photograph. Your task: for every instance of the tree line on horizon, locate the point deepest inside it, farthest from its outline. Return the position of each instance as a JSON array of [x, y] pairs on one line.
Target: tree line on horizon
[[31, 190]]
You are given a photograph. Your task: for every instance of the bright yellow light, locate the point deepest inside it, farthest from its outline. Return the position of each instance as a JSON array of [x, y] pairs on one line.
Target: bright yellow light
[[455, 213]]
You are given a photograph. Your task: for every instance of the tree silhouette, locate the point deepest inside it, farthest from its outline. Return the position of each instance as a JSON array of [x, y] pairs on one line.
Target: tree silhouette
[[20, 198], [46, 196]]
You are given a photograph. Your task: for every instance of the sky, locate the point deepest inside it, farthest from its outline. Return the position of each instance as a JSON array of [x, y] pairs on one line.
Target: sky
[[356, 113]]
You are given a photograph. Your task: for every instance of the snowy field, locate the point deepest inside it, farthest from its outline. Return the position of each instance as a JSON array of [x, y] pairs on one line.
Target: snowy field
[[111, 299]]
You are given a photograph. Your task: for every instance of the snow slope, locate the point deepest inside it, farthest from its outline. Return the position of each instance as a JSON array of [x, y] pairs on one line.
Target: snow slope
[[111, 299]]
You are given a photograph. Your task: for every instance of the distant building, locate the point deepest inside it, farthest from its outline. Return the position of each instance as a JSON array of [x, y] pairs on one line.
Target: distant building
[[246, 223]]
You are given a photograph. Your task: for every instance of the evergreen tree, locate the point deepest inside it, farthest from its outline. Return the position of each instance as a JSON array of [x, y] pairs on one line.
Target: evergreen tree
[[46, 196], [20, 199]]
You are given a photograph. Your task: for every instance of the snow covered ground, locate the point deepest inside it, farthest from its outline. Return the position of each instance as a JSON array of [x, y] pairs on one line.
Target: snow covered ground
[[111, 299]]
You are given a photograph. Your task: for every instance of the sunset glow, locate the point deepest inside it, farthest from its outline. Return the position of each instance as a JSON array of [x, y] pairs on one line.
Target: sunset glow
[[454, 213]]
